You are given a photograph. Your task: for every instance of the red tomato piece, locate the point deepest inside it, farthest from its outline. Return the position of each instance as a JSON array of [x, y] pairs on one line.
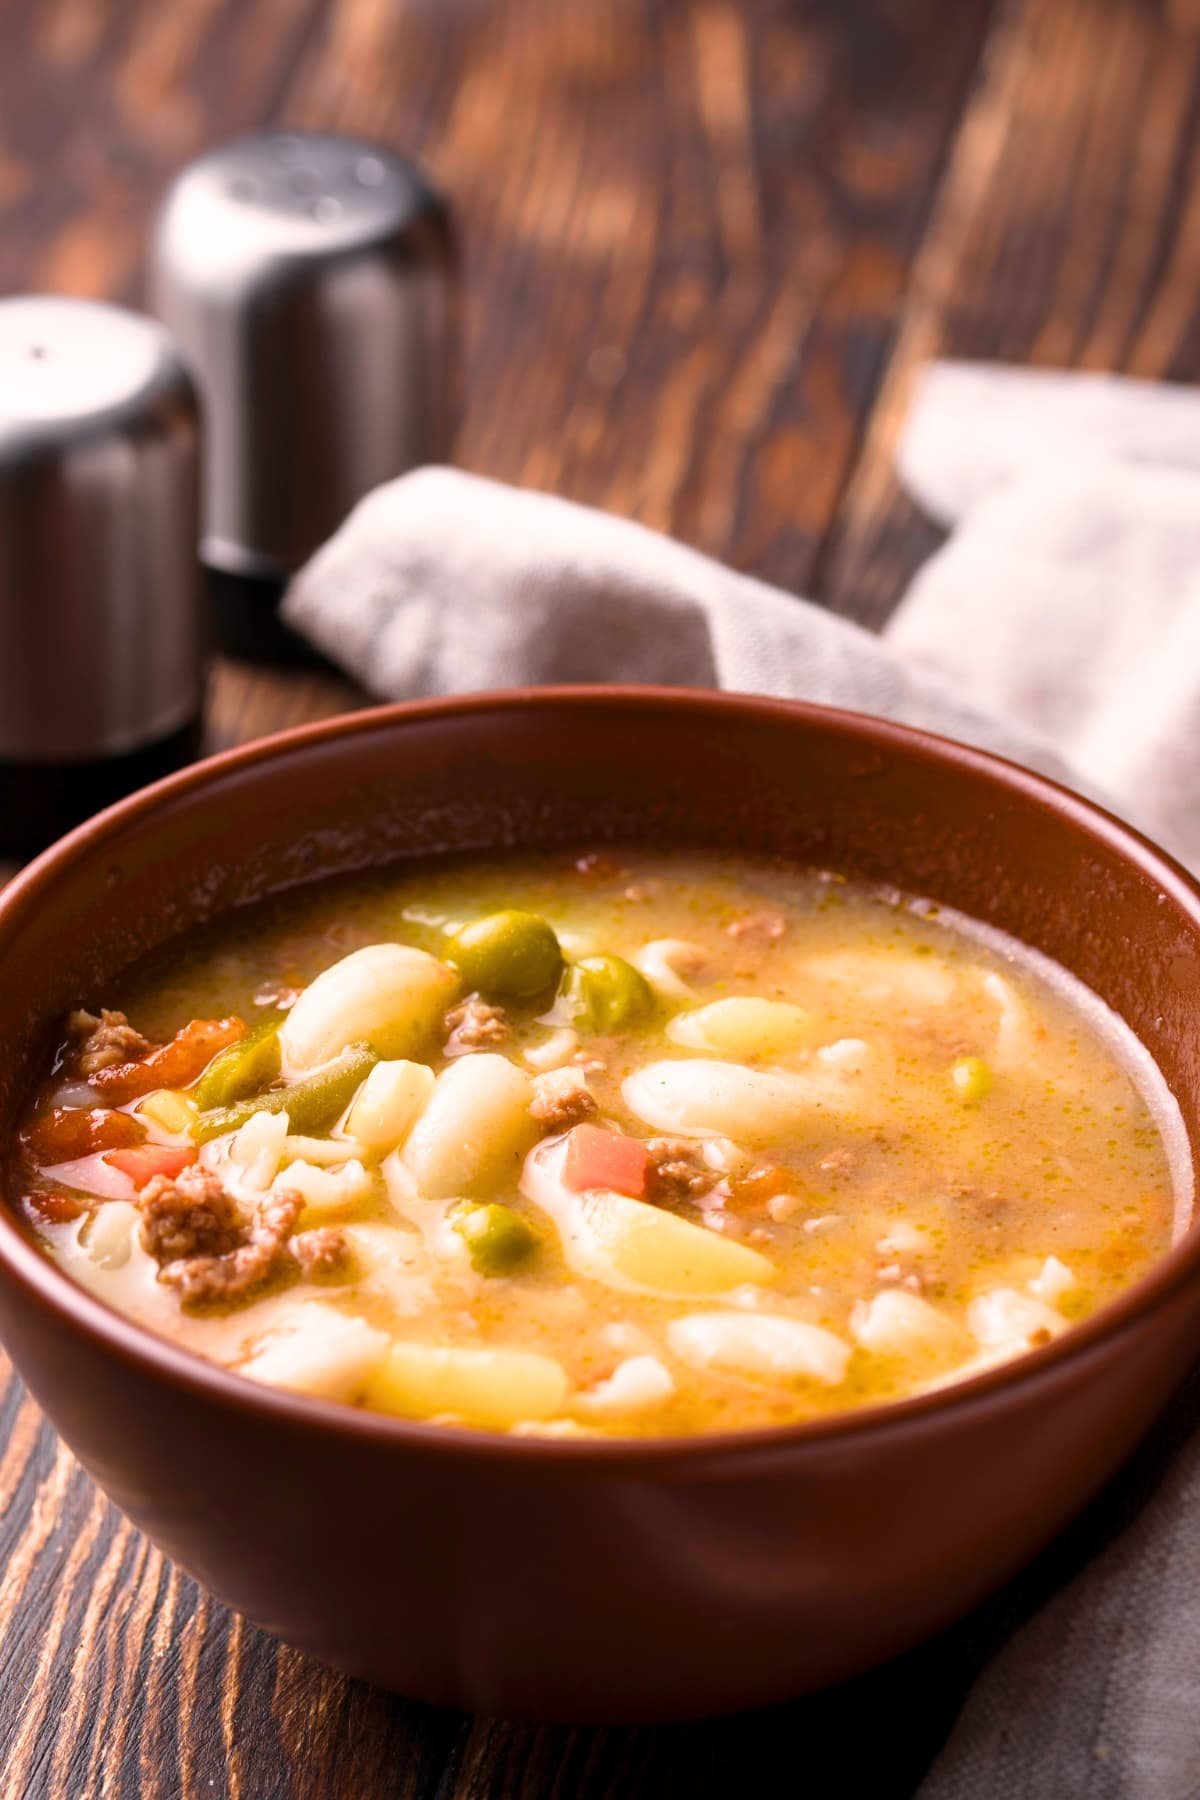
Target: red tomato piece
[[604, 1159], [145, 1161], [173, 1065], [65, 1133]]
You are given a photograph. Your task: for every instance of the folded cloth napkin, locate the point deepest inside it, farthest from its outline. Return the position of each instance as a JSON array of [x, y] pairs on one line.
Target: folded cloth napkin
[[1060, 625]]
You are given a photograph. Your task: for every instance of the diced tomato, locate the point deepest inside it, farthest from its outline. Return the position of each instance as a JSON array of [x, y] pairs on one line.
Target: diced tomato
[[65, 1133], [145, 1161], [173, 1065], [604, 1159], [52, 1209]]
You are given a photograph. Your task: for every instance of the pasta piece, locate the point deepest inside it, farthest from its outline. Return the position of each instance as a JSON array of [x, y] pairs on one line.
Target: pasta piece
[[327, 1153], [726, 1157], [742, 1027], [1053, 1281], [661, 961], [327, 1193], [660, 1251], [721, 1099], [475, 1128], [851, 1055], [485, 1387], [248, 1160], [109, 1235], [387, 995], [1014, 1031], [385, 1247], [630, 1339], [394, 1263], [634, 1246], [1009, 1321], [903, 1239], [257, 1149], [897, 1323], [553, 1051], [762, 1346], [318, 1351], [389, 1103], [639, 1384]]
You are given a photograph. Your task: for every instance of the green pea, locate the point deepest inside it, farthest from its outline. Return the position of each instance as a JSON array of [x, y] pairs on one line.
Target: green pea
[[608, 992], [512, 954], [497, 1238], [972, 1079], [311, 1105], [245, 1068]]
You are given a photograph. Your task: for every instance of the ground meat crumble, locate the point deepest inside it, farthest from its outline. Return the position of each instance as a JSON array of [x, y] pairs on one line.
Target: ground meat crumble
[[188, 1215], [561, 1098], [322, 1251], [210, 1253], [100, 1042], [474, 1023], [676, 1171]]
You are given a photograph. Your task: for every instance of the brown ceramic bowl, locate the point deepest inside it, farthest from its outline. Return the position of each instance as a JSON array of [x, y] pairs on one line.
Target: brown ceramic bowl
[[594, 1580]]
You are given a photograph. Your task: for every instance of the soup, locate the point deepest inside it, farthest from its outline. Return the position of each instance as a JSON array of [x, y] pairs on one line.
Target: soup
[[615, 1143]]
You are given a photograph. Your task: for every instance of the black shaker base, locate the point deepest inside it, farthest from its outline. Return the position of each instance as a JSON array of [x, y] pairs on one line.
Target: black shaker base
[[41, 800], [245, 622]]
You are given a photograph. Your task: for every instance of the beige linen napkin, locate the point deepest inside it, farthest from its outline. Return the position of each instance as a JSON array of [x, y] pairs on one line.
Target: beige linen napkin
[[1060, 625]]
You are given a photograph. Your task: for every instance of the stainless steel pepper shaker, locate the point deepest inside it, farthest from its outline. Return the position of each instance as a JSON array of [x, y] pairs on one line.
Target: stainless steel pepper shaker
[[308, 279], [100, 604]]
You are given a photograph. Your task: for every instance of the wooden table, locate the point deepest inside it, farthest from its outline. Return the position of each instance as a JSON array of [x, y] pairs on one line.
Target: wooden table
[[708, 244]]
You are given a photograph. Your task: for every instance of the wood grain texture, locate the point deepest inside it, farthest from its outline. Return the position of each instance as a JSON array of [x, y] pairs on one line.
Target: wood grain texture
[[688, 228], [1066, 234], [708, 244]]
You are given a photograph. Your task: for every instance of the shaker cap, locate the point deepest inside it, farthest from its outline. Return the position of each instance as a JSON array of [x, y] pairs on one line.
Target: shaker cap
[[100, 621], [308, 280]]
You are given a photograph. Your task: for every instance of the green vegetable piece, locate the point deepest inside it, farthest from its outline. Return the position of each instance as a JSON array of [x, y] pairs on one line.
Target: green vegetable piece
[[512, 954], [972, 1079], [245, 1068], [608, 992], [311, 1105], [497, 1238]]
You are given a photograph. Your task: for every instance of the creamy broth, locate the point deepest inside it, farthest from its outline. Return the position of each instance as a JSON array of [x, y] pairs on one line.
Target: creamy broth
[[702, 1144]]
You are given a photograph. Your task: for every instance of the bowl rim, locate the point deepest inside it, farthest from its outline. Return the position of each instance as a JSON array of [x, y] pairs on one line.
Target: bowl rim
[[112, 1332]]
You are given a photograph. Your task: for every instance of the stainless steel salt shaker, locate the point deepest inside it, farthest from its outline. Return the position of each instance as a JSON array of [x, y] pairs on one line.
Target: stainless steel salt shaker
[[100, 604], [308, 279]]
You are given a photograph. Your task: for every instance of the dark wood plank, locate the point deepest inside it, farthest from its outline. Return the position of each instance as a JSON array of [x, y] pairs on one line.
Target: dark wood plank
[[100, 100], [1067, 234], [688, 229]]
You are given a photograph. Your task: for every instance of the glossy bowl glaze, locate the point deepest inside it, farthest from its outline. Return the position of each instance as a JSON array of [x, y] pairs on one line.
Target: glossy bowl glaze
[[600, 1579]]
